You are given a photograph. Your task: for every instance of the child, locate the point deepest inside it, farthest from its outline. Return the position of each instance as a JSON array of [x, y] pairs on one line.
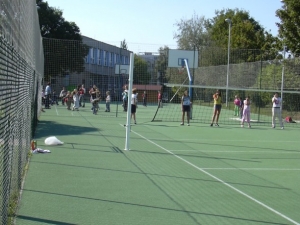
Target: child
[[133, 104], [95, 98], [185, 107], [62, 95], [107, 100], [75, 100], [237, 105], [241, 109], [68, 99], [246, 112], [125, 99], [145, 99]]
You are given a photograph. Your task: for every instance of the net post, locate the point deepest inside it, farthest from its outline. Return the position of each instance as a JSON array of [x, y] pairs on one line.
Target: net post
[[130, 82], [190, 83]]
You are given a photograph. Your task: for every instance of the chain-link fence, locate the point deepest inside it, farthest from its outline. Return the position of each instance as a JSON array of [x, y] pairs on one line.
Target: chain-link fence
[[21, 71]]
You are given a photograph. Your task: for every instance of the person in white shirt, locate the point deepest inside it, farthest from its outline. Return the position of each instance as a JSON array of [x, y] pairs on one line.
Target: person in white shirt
[[133, 104], [276, 110], [47, 96]]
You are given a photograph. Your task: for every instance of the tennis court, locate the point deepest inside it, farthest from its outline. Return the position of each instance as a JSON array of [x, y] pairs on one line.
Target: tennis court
[[172, 174]]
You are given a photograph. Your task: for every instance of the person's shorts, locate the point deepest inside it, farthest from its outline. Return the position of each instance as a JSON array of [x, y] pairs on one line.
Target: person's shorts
[[218, 107], [186, 108], [133, 108]]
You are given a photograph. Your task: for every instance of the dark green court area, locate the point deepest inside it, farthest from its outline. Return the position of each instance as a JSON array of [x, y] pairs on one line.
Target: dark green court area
[[172, 174]]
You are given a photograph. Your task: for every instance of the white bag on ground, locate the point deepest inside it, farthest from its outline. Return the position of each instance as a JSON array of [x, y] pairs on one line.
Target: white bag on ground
[[53, 141]]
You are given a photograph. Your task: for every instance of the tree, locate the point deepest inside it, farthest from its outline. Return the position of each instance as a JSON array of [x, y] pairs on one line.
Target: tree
[[161, 64], [140, 71], [124, 44], [248, 39], [192, 33], [289, 27], [246, 33], [58, 60]]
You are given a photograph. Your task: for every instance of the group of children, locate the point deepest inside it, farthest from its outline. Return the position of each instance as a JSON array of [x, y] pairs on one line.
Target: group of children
[[76, 97], [241, 109]]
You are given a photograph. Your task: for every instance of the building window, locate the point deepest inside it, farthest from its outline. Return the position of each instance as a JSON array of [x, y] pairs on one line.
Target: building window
[[118, 59], [111, 59], [91, 53], [98, 57], [105, 58], [101, 57]]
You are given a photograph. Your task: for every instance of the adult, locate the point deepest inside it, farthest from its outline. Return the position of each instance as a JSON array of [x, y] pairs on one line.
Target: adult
[[276, 110], [217, 107], [185, 107], [47, 96]]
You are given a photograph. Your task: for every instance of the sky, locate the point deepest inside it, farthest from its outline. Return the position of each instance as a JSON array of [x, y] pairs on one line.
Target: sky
[[148, 25]]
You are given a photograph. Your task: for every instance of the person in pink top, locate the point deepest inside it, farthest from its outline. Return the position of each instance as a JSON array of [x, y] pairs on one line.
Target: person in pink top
[[246, 112]]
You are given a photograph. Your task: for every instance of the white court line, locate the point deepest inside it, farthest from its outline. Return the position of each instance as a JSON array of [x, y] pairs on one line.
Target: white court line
[[212, 151], [236, 140], [259, 169], [56, 110], [221, 181]]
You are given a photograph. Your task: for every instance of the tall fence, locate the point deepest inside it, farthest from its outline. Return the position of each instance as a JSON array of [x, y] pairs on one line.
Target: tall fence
[[255, 73], [21, 73]]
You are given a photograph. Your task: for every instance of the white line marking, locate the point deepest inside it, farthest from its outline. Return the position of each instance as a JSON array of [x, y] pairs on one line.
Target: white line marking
[[259, 169], [221, 181], [249, 140], [56, 110], [212, 151]]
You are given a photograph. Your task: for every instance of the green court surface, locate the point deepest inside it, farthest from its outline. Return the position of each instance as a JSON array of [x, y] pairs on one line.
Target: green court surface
[[172, 174]]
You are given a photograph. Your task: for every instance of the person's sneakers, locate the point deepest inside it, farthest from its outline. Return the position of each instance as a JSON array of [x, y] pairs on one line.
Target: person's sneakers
[[242, 125], [211, 124], [282, 128], [249, 126], [188, 124], [182, 124], [273, 126], [216, 125]]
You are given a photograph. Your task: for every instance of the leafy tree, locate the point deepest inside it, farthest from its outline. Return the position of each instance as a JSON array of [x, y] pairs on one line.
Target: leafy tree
[[124, 44], [58, 60], [289, 27], [246, 33], [140, 71], [161, 64], [192, 33]]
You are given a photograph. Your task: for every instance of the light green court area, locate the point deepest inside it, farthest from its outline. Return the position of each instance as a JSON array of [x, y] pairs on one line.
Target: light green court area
[[172, 174]]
